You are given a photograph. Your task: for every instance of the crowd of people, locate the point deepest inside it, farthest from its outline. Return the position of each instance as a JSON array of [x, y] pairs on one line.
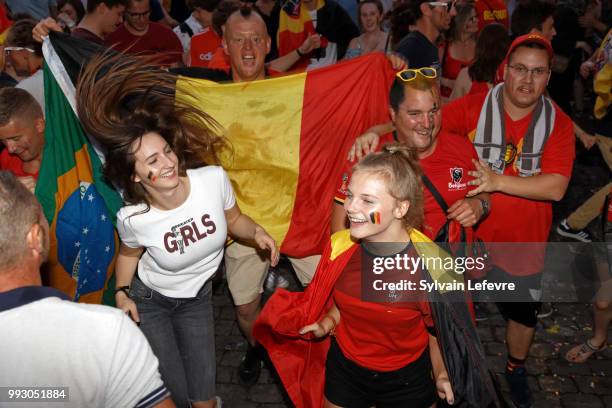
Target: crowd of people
[[480, 142]]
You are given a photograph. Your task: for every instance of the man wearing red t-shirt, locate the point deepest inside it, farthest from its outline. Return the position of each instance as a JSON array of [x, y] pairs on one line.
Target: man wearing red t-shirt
[[22, 132], [526, 146], [445, 158], [138, 34], [203, 47]]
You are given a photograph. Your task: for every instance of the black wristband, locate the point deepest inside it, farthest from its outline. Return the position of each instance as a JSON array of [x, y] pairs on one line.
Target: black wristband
[[485, 207], [299, 53], [124, 289]]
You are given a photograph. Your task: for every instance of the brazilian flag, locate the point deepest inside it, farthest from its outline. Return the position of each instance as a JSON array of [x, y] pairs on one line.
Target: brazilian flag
[[78, 204]]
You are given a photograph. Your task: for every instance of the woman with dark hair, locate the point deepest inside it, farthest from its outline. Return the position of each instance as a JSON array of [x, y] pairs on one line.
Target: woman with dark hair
[[460, 47], [71, 12], [401, 19], [372, 37], [162, 154], [491, 47]]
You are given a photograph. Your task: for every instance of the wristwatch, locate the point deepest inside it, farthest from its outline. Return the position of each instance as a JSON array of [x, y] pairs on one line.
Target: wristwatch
[[485, 207], [124, 289]]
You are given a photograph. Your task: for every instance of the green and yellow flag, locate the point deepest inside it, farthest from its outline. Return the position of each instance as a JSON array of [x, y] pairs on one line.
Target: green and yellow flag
[[78, 204]]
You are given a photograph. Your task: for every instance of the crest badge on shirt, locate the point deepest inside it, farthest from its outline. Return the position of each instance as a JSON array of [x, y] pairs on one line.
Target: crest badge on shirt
[[456, 182]]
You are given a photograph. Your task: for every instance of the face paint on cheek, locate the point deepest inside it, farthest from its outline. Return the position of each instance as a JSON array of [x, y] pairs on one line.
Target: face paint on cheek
[[375, 217], [151, 177]]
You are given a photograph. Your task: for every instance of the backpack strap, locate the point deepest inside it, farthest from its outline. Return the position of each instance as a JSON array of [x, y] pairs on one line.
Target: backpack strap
[[184, 27], [435, 193], [443, 233]]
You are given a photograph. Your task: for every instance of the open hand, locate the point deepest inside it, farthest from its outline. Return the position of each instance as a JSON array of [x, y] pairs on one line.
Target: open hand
[[364, 144], [265, 241], [485, 178]]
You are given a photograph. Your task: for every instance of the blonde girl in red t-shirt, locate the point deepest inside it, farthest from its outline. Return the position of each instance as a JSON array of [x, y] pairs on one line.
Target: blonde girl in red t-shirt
[[383, 353]]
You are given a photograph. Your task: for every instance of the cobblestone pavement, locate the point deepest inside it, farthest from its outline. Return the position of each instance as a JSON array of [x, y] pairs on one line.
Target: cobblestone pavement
[[555, 382]]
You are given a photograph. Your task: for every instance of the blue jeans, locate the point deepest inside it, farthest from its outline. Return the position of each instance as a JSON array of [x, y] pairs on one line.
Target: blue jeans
[[181, 334]]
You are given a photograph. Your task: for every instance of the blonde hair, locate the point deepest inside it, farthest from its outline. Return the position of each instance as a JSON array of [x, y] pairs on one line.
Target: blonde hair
[[398, 166]]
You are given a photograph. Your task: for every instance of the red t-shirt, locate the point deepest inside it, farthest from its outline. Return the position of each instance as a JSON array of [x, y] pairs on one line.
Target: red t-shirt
[[447, 168], [14, 165], [491, 11], [450, 70], [478, 87], [381, 336], [85, 34], [159, 40], [220, 60], [203, 46], [515, 219]]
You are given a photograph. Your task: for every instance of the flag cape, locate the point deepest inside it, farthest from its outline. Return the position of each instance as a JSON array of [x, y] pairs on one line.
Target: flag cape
[[290, 136], [78, 205], [300, 360]]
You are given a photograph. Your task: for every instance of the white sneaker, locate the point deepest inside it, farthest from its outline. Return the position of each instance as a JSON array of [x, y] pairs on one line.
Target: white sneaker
[[219, 401], [564, 230], [275, 280]]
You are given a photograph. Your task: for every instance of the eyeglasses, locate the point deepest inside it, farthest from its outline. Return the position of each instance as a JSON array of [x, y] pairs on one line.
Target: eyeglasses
[[138, 15], [449, 5], [8, 50], [408, 75], [522, 70]]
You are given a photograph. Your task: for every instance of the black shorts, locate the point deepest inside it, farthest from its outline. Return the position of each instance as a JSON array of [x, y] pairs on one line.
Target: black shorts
[[352, 386], [525, 313], [529, 287]]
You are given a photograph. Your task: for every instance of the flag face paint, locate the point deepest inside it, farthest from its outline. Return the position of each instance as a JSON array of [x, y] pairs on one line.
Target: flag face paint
[[375, 217], [151, 177]]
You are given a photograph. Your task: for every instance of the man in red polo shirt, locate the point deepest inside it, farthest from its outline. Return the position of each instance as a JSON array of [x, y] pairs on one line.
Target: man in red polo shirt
[[526, 146], [22, 132]]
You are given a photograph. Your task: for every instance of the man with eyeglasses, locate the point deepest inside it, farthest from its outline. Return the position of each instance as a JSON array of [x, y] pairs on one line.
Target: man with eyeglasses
[[139, 35], [526, 146], [419, 46], [525, 143]]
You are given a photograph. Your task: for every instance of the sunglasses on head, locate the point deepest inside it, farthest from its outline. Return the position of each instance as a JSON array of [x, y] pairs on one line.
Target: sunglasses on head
[[448, 5], [410, 74], [8, 50]]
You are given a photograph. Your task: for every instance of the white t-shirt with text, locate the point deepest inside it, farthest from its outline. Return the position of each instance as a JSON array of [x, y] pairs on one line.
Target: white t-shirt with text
[[183, 246]]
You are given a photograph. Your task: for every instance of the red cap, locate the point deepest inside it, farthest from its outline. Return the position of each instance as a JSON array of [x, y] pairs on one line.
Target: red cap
[[531, 38]]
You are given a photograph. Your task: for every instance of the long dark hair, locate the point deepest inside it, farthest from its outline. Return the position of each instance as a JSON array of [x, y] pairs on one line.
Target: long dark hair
[[491, 48], [400, 17], [120, 99], [458, 22]]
